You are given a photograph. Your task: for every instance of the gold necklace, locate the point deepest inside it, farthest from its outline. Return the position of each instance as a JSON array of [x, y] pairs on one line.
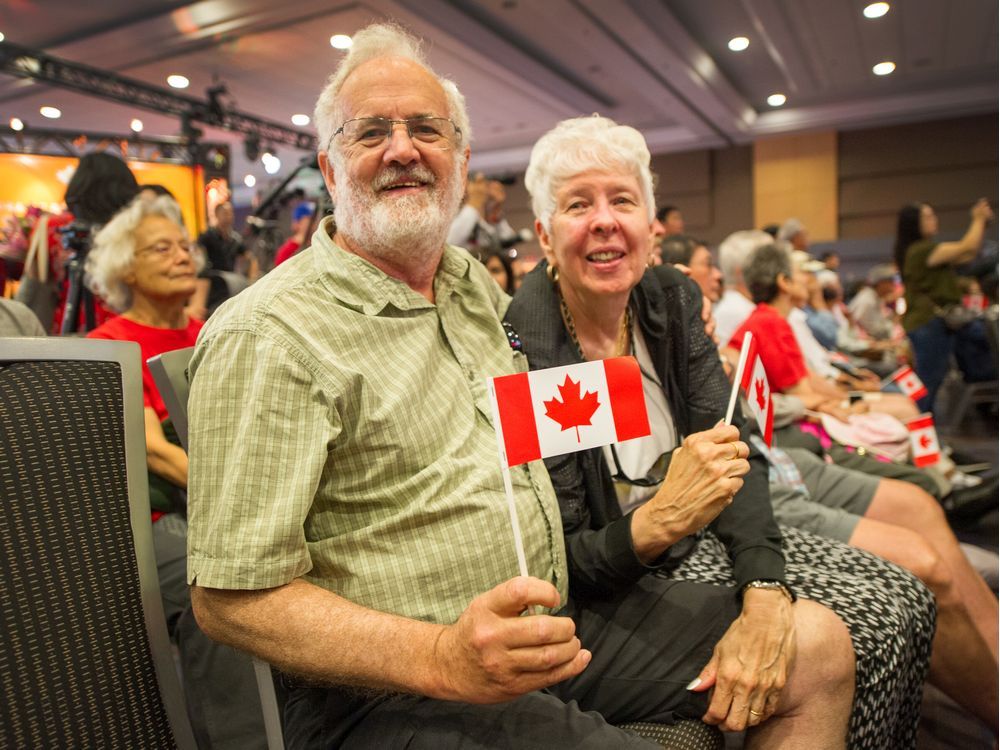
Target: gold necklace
[[622, 347]]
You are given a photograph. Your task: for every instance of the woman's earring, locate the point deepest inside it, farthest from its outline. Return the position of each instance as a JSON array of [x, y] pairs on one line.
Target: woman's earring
[[553, 273]]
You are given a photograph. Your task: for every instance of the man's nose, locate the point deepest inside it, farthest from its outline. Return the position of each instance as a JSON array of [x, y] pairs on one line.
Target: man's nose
[[399, 146]]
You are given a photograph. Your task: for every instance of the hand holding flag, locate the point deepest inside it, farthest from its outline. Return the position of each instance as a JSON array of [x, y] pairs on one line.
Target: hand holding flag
[[562, 410]]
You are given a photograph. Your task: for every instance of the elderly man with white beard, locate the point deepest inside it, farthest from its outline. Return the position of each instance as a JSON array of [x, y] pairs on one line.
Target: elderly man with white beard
[[346, 507]]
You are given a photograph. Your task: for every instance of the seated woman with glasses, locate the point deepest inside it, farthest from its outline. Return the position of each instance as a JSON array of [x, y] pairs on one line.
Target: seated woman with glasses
[[691, 500], [142, 265]]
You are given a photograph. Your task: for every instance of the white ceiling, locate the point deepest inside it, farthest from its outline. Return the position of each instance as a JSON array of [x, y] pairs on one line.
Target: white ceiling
[[660, 65]]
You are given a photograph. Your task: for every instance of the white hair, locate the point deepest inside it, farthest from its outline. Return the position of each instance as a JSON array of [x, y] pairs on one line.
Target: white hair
[[579, 145], [735, 249], [372, 42], [113, 251]]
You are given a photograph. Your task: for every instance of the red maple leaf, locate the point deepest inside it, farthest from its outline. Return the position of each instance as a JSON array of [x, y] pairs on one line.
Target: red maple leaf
[[572, 411], [924, 441], [761, 401]]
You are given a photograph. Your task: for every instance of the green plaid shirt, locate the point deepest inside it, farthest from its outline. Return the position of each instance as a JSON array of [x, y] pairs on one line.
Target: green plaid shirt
[[340, 431]]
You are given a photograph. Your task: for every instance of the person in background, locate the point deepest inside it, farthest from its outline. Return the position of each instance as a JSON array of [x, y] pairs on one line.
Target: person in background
[[672, 219], [734, 306], [695, 256], [223, 245], [302, 221], [501, 269], [794, 232], [142, 264], [872, 308], [480, 225], [935, 321], [830, 260]]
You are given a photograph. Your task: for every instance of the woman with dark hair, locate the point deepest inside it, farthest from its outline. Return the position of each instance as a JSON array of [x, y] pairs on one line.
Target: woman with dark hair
[[934, 319], [501, 269], [100, 186]]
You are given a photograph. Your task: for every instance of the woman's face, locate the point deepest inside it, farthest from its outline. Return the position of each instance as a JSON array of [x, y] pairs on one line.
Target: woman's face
[[495, 266], [706, 273], [928, 221], [163, 268], [600, 234]]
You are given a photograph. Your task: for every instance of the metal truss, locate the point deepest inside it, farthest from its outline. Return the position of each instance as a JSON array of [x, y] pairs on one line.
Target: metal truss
[[29, 63], [163, 150]]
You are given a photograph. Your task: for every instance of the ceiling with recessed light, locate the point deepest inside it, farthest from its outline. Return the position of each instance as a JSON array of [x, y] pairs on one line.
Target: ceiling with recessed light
[[664, 66]]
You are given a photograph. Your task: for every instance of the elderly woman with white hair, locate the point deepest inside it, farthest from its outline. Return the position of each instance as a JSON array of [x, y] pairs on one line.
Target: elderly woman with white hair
[[666, 504], [142, 264]]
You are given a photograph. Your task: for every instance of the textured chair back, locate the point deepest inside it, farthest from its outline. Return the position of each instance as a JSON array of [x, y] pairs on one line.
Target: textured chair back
[[85, 660], [170, 374]]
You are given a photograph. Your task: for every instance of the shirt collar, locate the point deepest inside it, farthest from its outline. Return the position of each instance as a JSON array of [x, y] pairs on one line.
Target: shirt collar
[[359, 284]]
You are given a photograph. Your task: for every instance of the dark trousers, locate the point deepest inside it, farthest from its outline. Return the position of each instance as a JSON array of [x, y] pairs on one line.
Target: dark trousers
[[934, 343], [647, 646], [219, 685]]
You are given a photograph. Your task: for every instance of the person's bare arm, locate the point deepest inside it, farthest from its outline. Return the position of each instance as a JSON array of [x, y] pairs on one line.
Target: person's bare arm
[[966, 248], [163, 457], [490, 654]]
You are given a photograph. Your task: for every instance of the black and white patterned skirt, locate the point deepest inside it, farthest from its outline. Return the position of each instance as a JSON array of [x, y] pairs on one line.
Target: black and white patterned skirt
[[888, 612]]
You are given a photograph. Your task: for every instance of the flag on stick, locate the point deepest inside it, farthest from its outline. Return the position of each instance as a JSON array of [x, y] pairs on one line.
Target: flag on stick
[[562, 410], [752, 380], [923, 441], [908, 383]]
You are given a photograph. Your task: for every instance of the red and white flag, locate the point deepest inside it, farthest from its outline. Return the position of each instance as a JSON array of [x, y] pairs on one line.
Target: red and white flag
[[565, 409], [908, 383], [923, 441], [753, 383]]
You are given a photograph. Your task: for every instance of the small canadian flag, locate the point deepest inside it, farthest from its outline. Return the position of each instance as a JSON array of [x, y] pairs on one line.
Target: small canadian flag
[[565, 409], [909, 383], [923, 441], [755, 387]]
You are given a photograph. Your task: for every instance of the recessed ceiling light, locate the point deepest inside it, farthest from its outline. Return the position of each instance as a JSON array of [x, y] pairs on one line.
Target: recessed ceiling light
[[341, 41], [16, 124], [884, 68], [136, 125], [272, 165], [739, 43], [178, 81], [249, 180], [776, 100], [1, 36], [51, 112], [876, 10], [300, 120]]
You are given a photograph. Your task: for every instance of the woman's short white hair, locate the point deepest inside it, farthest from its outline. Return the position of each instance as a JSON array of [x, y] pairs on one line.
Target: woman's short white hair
[[382, 40], [113, 251], [580, 145], [736, 248]]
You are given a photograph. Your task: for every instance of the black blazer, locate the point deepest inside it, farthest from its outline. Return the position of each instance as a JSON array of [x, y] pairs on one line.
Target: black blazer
[[601, 558]]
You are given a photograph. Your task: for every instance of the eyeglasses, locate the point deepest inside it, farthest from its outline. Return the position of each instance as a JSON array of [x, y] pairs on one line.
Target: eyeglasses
[[371, 132], [166, 248]]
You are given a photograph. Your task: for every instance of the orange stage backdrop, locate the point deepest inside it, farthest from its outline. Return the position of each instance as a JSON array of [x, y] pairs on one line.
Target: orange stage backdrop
[[35, 180]]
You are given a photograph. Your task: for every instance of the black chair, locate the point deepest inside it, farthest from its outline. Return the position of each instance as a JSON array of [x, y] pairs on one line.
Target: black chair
[[170, 374], [85, 660]]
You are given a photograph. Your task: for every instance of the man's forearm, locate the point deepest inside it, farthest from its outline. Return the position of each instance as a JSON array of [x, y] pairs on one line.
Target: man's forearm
[[306, 630]]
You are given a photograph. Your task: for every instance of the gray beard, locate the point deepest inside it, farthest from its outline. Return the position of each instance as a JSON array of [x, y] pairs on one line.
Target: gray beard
[[399, 230]]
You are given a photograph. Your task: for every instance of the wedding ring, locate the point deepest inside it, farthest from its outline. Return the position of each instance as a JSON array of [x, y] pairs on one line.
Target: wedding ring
[[754, 713], [736, 454]]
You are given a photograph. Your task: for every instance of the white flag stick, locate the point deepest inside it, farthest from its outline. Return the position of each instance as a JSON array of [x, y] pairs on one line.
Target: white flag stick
[[741, 365], [890, 377], [515, 525]]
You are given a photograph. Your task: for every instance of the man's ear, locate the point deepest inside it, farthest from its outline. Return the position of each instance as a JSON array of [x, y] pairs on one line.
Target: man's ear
[[326, 169], [465, 167]]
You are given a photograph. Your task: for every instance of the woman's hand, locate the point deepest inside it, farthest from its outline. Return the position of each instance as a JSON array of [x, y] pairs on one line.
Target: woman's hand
[[982, 211], [704, 475], [750, 664]]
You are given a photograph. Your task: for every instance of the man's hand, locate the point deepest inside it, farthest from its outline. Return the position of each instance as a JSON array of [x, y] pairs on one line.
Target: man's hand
[[493, 654], [476, 193], [750, 664], [705, 473]]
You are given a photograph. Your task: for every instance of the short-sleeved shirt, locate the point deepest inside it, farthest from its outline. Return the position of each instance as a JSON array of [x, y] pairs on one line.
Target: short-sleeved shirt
[[927, 288], [341, 431], [152, 341], [779, 352]]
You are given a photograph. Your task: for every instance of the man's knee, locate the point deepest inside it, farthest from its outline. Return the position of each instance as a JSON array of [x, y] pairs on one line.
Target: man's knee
[[927, 565], [824, 654], [919, 505]]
